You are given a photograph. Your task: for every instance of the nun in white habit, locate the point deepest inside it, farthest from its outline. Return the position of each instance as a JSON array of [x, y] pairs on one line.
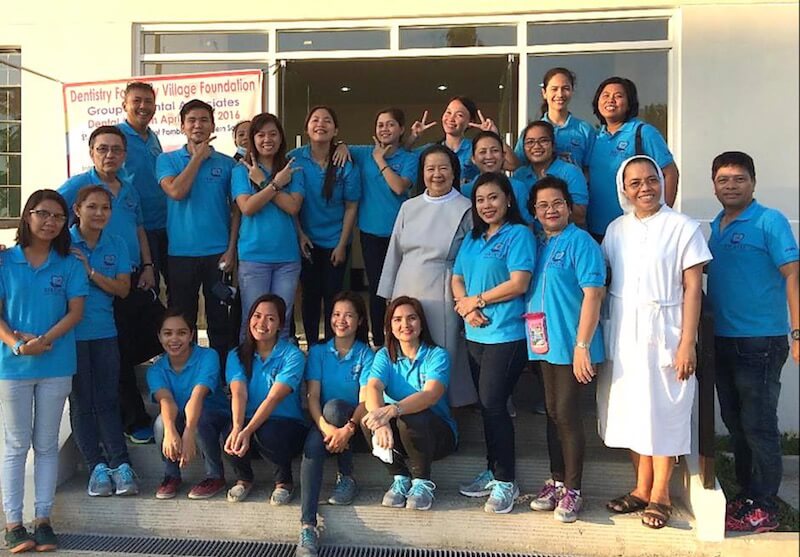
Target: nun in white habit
[[646, 389]]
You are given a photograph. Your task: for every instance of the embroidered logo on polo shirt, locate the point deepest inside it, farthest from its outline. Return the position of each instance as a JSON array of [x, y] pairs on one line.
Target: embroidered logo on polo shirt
[[622, 145], [737, 238], [56, 281], [559, 259], [575, 141], [130, 203], [216, 172], [110, 260], [355, 372]]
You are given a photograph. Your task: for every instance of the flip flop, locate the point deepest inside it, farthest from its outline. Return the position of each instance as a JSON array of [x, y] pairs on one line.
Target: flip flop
[[626, 504], [658, 513]]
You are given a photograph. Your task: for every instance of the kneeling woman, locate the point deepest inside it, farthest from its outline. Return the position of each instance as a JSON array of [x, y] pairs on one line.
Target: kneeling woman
[[264, 374], [491, 275], [185, 382], [417, 428], [42, 291], [336, 373]]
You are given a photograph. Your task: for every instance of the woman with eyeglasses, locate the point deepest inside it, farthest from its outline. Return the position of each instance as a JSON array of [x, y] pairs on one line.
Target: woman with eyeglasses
[[645, 393], [564, 307], [541, 160], [621, 136], [574, 137], [490, 277], [42, 294]]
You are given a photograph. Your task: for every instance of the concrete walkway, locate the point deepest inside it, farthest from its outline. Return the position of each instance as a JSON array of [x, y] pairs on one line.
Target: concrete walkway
[[790, 486]]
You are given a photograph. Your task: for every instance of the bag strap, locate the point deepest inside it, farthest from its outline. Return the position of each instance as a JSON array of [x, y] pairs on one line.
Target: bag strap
[[638, 140]]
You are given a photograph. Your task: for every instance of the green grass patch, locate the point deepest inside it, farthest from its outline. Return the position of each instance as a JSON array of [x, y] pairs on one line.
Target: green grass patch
[[790, 444], [788, 518]]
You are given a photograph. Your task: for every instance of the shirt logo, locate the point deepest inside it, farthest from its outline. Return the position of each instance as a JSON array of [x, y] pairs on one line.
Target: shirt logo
[[110, 260], [576, 142], [558, 256], [56, 281], [216, 172], [130, 203], [355, 372], [737, 238], [622, 145]]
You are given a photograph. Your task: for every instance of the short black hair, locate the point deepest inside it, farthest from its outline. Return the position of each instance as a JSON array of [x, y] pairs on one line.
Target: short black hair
[[60, 243], [630, 92], [549, 183], [733, 158], [451, 156], [513, 216], [195, 104], [108, 130]]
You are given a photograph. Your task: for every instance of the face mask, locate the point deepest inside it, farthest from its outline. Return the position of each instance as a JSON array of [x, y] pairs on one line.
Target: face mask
[[241, 151]]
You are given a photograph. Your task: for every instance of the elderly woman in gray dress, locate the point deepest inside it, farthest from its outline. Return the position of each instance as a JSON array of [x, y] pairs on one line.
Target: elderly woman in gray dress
[[423, 247]]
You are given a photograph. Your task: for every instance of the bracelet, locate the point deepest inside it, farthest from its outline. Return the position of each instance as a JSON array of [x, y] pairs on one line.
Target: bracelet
[[397, 408], [91, 274], [352, 424], [274, 187], [384, 168], [582, 345], [17, 345], [147, 265]]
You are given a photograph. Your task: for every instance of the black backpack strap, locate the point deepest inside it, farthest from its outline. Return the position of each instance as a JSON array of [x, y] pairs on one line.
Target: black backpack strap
[[639, 146]]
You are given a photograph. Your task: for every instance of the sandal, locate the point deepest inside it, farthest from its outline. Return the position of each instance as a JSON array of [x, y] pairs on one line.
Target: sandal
[[626, 504], [658, 514]]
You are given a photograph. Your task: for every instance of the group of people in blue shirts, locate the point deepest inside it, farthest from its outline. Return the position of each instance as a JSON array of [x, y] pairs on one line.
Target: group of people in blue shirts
[[526, 274]]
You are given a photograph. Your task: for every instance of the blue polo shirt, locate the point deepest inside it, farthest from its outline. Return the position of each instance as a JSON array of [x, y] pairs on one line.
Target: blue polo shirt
[[200, 223], [33, 301], [571, 174], [284, 365], [608, 153], [340, 378], [126, 209], [268, 236], [486, 263], [108, 258], [574, 141], [140, 168], [565, 265], [745, 286], [201, 369], [405, 377], [464, 154], [521, 192], [379, 205], [323, 219]]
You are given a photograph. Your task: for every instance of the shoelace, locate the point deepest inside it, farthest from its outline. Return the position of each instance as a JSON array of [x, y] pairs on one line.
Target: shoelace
[[422, 486], [399, 486], [548, 491], [568, 500], [485, 477], [343, 484], [101, 475], [307, 537], [125, 472], [501, 490]]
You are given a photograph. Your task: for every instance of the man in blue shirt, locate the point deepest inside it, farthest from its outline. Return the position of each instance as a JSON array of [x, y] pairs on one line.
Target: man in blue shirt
[[140, 169], [751, 280], [202, 225]]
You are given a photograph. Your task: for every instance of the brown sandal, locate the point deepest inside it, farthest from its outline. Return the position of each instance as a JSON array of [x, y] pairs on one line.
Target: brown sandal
[[658, 514], [626, 504]]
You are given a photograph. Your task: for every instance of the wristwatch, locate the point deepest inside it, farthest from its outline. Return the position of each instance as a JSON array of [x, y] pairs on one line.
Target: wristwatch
[[795, 334], [583, 345], [17, 345], [481, 302]]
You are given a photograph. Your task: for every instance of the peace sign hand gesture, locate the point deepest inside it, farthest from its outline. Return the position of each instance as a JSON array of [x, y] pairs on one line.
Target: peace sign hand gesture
[[487, 124], [284, 176], [418, 127], [254, 171]]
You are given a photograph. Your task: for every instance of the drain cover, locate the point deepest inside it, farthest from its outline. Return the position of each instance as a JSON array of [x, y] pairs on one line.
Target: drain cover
[[230, 548]]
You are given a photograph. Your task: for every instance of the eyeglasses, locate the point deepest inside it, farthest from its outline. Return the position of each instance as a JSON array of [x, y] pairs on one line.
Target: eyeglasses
[[45, 215], [543, 141], [651, 181], [105, 149], [556, 204]]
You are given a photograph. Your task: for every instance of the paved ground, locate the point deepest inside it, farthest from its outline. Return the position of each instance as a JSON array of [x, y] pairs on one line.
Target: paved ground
[[790, 486]]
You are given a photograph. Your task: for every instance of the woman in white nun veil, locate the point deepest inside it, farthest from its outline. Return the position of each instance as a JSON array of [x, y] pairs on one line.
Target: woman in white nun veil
[[645, 393]]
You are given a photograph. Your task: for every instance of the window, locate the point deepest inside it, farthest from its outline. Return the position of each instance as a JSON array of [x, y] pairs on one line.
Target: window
[[168, 68], [10, 134], [597, 31], [337, 39], [458, 36], [171, 43]]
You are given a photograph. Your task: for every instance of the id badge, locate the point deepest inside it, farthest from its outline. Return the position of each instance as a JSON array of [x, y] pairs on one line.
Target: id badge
[[536, 331]]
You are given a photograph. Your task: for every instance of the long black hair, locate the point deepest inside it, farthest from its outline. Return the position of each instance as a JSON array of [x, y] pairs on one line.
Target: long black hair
[[362, 332], [630, 92], [550, 74], [330, 170], [258, 122], [60, 243], [551, 131], [83, 195], [513, 216], [392, 344], [247, 348]]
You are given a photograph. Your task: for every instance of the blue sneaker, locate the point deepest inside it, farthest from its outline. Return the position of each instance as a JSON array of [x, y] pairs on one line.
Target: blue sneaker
[[308, 546], [420, 496], [141, 436], [100, 482], [480, 486], [344, 492], [396, 496], [124, 479], [501, 500]]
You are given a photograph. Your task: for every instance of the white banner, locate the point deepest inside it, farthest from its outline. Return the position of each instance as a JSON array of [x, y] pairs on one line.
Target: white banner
[[235, 96]]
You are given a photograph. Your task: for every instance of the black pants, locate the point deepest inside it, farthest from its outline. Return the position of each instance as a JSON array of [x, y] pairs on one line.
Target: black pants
[[321, 281], [373, 250], [565, 438], [186, 276], [495, 370], [278, 440], [419, 439], [157, 240]]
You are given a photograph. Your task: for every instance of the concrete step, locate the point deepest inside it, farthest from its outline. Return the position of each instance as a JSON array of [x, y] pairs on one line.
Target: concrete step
[[455, 522]]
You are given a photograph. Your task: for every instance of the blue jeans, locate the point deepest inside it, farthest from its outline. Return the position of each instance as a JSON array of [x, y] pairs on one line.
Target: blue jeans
[[30, 410], [94, 403], [256, 279], [210, 427], [748, 372], [336, 413]]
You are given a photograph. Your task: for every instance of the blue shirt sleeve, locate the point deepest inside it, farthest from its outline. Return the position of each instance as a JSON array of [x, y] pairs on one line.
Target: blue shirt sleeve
[[352, 183], [156, 380], [437, 366], [298, 182], [208, 375], [291, 372], [779, 239], [655, 146], [458, 266], [77, 281], [165, 167], [369, 359], [590, 266], [576, 185], [589, 134], [410, 167], [360, 153], [124, 264], [69, 190], [234, 370], [314, 363], [240, 182], [382, 367], [521, 251]]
